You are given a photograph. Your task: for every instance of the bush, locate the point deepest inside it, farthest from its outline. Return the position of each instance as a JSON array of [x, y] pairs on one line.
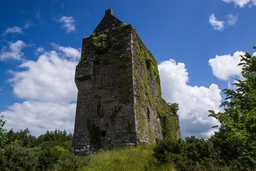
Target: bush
[[168, 150], [2, 134], [50, 153], [192, 154], [15, 157]]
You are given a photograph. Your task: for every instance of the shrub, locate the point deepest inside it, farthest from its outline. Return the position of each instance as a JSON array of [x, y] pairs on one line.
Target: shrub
[[167, 150], [192, 154], [50, 153], [15, 157], [2, 134]]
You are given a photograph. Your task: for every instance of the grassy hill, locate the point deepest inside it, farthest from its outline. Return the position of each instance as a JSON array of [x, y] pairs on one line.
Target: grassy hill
[[128, 159]]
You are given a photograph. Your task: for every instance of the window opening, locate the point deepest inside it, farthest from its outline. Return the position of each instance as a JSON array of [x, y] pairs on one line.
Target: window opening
[[102, 110], [100, 83], [103, 133], [148, 115]]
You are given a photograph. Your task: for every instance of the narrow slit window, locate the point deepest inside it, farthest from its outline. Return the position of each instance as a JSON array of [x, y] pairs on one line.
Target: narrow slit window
[[148, 115], [102, 110], [103, 133], [100, 83]]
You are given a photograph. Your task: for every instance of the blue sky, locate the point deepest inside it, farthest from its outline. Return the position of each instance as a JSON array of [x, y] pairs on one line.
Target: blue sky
[[197, 44]]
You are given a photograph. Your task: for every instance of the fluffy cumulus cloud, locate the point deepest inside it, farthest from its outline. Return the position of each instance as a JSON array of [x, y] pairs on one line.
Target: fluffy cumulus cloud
[[13, 51], [69, 51], [216, 24], [241, 3], [194, 102], [68, 23], [226, 66], [48, 90], [40, 116], [221, 25], [14, 29]]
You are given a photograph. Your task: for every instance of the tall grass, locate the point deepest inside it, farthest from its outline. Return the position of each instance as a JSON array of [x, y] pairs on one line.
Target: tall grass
[[127, 159]]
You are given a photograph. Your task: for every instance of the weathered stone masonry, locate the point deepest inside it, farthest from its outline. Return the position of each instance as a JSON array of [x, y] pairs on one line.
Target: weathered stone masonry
[[119, 99]]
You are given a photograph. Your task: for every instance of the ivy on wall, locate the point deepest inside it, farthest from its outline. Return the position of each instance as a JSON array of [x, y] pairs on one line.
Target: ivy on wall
[[169, 120], [114, 114], [166, 112], [94, 135]]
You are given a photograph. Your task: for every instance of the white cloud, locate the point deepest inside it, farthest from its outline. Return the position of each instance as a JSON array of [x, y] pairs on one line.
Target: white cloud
[[12, 30], [48, 89], [241, 3], [40, 116], [225, 67], [39, 50], [27, 25], [231, 19], [13, 51], [50, 79], [68, 23], [69, 51], [221, 25], [194, 102], [216, 24]]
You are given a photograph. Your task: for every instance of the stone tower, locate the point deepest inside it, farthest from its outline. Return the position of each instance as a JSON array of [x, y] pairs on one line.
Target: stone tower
[[119, 99]]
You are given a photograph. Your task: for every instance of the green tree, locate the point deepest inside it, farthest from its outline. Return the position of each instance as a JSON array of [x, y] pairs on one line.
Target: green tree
[[50, 153], [2, 132], [15, 157], [23, 138], [237, 132]]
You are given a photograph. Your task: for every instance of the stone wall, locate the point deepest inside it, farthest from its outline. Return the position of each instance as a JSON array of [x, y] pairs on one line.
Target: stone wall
[[119, 91]]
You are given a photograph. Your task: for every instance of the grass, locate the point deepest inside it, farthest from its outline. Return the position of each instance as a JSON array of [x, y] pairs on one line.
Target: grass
[[127, 159]]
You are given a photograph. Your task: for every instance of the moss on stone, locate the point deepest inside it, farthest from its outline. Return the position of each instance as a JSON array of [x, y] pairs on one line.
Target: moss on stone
[[125, 81], [114, 114], [142, 122], [125, 62], [108, 61], [169, 120], [125, 98], [94, 135], [119, 44], [142, 95], [100, 43], [137, 109], [129, 127], [150, 131], [136, 74], [97, 60], [150, 99]]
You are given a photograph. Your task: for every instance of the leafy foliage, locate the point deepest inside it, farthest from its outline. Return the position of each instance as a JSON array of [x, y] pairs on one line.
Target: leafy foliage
[[168, 118], [22, 151], [15, 157], [238, 121], [193, 154], [50, 153], [2, 134], [22, 138]]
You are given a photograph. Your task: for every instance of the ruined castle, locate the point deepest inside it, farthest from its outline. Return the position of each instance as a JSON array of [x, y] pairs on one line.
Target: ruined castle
[[119, 99]]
